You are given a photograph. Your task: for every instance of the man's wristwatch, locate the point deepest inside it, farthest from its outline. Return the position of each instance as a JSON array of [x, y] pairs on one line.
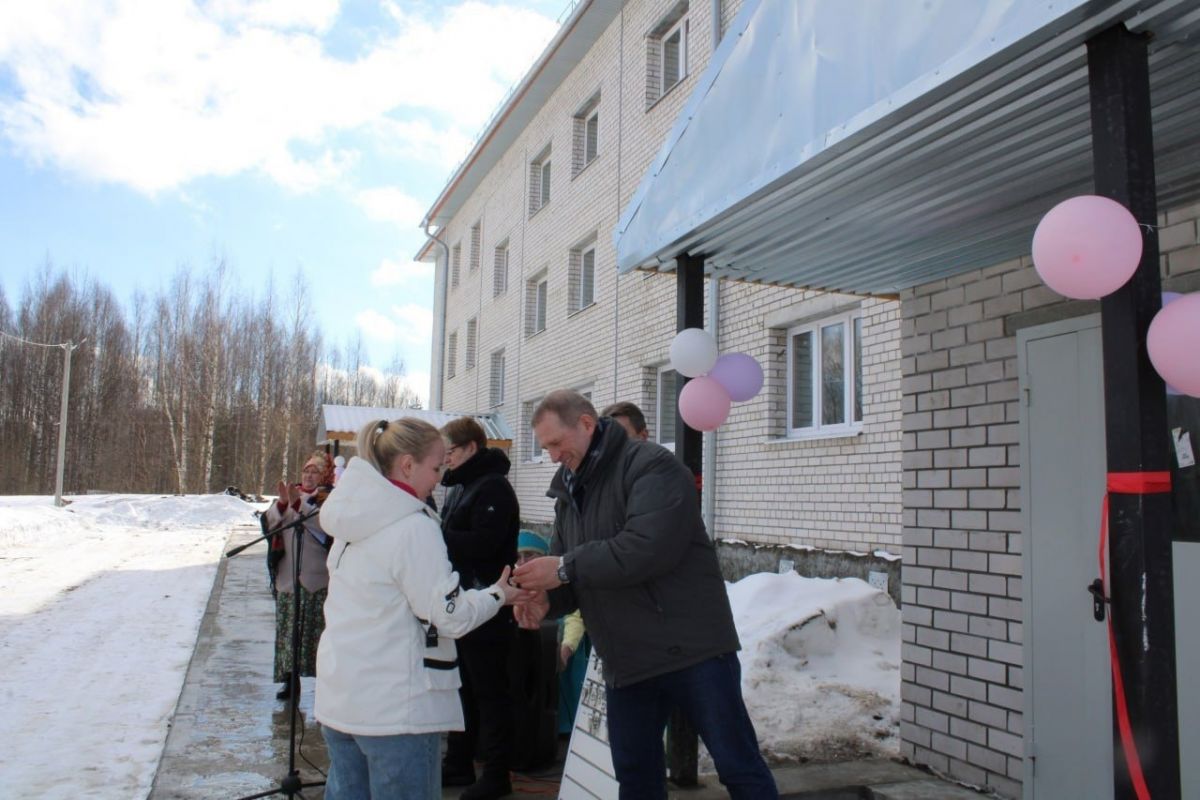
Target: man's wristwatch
[[563, 577]]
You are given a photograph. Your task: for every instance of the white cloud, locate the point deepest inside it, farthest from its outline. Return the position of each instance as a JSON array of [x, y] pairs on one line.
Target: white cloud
[[155, 93], [419, 140], [391, 272], [408, 324], [313, 15], [389, 204]]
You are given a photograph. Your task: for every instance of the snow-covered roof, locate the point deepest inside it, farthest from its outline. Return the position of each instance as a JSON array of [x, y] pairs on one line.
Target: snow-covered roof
[[342, 423], [855, 145]]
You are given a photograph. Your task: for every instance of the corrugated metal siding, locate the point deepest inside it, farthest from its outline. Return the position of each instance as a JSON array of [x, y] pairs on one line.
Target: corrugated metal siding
[[340, 421], [957, 182]]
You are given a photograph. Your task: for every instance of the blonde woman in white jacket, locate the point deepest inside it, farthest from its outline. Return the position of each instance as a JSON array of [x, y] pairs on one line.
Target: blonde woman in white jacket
[[387, 676]]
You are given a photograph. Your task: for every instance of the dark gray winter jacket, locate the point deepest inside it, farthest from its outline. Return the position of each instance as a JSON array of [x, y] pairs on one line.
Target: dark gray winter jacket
[[643, 570]]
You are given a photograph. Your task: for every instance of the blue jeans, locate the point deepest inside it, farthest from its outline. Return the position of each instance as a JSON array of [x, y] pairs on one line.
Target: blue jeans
[[400, 767], [710, 693]]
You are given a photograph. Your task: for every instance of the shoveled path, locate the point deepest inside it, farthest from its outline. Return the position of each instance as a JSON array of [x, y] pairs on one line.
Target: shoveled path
[[229, 736]]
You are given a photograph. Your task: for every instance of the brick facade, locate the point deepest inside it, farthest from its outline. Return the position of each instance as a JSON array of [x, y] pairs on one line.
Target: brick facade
[[836, 493], [962, 592]]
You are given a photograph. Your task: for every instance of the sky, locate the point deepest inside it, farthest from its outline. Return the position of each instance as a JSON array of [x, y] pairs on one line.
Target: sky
[[283, 136]]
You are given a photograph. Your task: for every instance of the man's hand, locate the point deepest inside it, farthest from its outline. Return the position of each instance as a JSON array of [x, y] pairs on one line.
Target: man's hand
[[531, 609], [564, 657], [538, 574]]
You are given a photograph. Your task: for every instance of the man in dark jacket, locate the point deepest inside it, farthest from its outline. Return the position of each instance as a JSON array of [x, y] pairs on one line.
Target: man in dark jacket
[[631, 552], [480, 520]]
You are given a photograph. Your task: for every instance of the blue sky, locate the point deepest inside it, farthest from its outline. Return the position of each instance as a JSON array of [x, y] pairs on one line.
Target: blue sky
[[281, 135]]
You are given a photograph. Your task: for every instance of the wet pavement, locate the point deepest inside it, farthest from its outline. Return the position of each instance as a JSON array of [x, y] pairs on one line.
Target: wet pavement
[[229, 736]]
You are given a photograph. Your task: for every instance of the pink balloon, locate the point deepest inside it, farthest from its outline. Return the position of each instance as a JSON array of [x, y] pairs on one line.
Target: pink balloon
[[1087, 247], [1167, 299], [703, 404], [740, 374], [1171, 342]]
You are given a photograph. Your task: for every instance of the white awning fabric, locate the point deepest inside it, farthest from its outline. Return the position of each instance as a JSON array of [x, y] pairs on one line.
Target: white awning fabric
[[866, 146]]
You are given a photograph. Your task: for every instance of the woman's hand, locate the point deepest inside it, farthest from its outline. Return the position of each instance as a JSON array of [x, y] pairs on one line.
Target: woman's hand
[[564, 656], [530, 609], [284, 493], [512, 594]]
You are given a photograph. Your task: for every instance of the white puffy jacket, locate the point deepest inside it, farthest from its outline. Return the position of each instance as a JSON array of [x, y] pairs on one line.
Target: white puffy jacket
[[389, 578]]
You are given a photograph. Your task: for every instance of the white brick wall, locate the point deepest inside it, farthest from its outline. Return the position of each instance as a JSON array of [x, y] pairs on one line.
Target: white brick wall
[[834, 493], [962, 592]]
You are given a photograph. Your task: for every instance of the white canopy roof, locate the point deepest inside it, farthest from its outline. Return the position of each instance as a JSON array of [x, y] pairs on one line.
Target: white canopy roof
[[869, 146], [344, 422]]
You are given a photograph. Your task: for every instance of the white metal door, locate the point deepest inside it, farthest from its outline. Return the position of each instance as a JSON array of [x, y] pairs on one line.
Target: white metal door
[[1068, 722], [1068, 728]]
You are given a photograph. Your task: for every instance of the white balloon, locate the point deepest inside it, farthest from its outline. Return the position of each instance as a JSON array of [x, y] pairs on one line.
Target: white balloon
[[693, 352], [339, 461]]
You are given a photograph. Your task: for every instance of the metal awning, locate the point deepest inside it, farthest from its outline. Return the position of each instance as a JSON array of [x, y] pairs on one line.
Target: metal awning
[[342, 423], [867, 147]]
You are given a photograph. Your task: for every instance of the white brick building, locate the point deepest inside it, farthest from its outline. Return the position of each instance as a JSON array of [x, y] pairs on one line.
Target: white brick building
[[960, 126], [530, 299]]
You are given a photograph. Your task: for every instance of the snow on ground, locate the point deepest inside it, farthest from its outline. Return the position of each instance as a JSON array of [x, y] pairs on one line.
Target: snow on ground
[[99, 613], [820, 665]]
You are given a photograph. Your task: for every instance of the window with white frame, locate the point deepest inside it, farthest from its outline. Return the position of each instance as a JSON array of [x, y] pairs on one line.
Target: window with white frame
[[539, 181], [455, 265], [536, 290], [581, 277], [500, 269], [452, 354], [476, 234], [664, 406], [586, 135], [472, 341], [667, 53], [496, 394], [824, 376], [533, 448]]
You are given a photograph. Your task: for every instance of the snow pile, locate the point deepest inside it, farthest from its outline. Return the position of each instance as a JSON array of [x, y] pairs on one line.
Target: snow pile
[[820, 665], [101, 605]]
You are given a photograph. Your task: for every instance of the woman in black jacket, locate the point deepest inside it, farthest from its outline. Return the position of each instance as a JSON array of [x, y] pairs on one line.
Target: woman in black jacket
[[480, 520]]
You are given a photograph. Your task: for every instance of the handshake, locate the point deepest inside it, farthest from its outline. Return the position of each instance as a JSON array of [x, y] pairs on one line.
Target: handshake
[[525, 589]]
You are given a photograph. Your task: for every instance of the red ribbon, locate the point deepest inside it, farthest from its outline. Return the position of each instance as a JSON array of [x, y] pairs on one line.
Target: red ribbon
[[1126, 483]]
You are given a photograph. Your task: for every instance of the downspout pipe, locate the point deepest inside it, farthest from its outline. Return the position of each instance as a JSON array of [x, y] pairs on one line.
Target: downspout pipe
[[439, 323], [713, 324], [708, 470]]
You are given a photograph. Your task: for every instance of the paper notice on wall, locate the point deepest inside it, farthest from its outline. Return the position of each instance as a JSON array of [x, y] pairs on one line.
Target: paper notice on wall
[[1183, 447], [588, 772]]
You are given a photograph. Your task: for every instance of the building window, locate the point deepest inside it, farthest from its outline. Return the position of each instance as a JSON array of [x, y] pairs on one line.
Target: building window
[[581, 277], [496, 395], [667, 53], [533, 448], [539, 181], [476, 231], [472, 340], [586, 142], [664, 406], [455, 265], [824, 376], [535, 304], [452, 355], [500, 269]]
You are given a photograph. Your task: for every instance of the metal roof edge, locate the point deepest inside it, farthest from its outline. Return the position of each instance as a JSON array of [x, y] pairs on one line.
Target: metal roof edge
[[516, 95]]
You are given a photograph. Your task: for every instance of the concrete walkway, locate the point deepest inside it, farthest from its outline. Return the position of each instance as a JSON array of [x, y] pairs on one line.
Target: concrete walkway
[[229, 736]]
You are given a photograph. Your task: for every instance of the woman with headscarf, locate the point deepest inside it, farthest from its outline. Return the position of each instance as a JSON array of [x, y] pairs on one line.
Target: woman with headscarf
[[295, 501]]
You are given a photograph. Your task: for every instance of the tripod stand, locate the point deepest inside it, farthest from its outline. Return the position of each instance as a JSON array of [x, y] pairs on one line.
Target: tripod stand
[[291, 784]]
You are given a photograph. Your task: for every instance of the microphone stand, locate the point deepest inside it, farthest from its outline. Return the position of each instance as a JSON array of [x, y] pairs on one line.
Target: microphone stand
[[290, 785]]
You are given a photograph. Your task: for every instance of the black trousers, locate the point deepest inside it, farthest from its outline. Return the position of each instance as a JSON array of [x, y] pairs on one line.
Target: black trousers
[[483, 657]]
